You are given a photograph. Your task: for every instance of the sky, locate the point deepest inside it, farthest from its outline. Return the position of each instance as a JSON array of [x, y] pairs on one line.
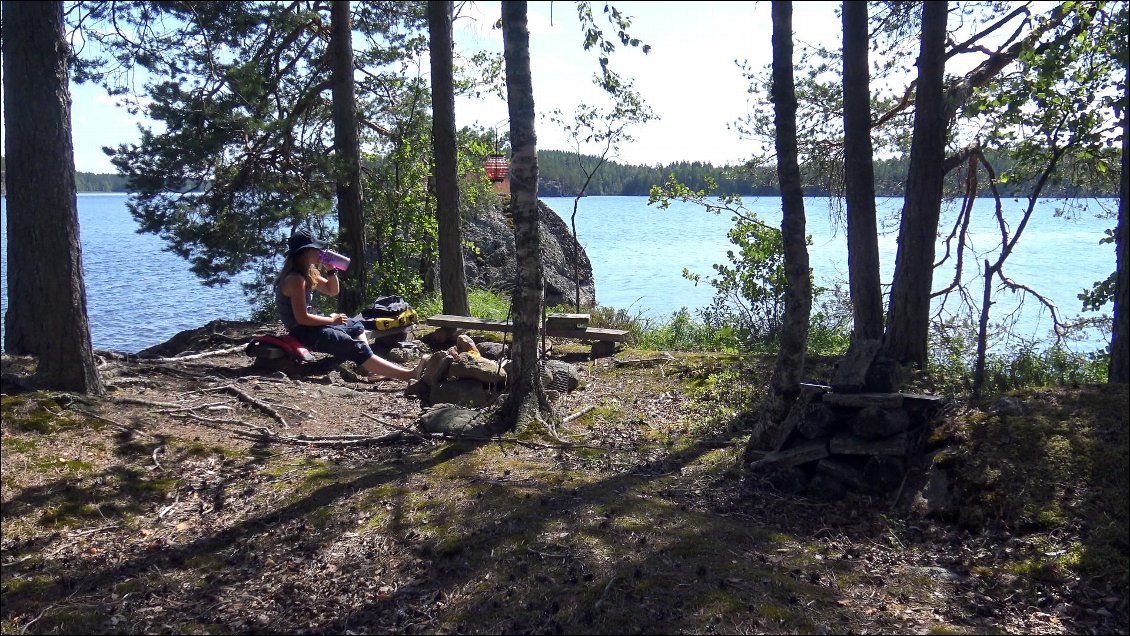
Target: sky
[[690, 78]]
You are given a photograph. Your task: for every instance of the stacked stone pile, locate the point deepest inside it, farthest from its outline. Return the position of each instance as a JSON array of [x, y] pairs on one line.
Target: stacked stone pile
[[473, 375], [849, 435]]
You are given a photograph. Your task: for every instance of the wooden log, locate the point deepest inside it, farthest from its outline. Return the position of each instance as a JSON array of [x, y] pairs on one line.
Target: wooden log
[[781, 433], [851, 373], [795, 456], [876, 423], [861, 400], [843, 471], [851, 445], [819, 420]]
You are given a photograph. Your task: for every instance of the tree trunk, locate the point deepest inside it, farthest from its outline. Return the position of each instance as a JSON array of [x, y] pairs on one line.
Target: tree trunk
[[452, 278], [527, 397], [347, 151], [785, 384], [46, 314], [1119, 370], [908, 318], [859, 178]]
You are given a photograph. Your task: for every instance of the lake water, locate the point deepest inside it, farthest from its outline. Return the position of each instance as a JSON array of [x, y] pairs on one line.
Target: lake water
[[139, 295]]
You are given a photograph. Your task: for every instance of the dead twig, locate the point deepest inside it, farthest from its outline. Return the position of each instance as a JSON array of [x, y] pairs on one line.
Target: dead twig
[[604, 594]]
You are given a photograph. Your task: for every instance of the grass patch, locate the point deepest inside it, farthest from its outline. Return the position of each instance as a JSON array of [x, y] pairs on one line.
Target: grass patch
[[17, 444], [37, 413], [1064, 464]]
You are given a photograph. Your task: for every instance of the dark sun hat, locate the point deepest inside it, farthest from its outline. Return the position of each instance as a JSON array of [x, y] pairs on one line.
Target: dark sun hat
[[300, 241]]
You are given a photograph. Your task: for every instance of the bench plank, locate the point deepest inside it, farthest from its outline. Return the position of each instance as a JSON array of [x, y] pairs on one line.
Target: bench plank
[[566, 320], [486, 324]]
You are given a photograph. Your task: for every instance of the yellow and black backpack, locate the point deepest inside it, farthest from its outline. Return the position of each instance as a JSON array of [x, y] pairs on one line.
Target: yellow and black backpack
[[388, 312]]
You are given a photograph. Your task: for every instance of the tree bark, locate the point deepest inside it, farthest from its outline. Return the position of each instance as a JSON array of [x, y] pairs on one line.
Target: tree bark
[[347, 150], [527, 397], [1119, 370], [859, 178], [785, 384], [46, 314], [908, 318], [452, 277]]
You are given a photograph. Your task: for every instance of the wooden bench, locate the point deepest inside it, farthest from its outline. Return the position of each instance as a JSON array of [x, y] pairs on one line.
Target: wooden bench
[[556, 326]]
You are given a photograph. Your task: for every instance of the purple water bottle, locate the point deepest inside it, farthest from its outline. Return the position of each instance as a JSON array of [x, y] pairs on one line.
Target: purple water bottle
[[333, 260]]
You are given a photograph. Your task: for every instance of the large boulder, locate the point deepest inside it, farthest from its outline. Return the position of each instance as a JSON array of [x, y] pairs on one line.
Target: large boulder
[[491, 262]]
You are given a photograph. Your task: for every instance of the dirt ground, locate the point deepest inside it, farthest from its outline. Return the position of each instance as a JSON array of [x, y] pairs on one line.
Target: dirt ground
[[205, 496]]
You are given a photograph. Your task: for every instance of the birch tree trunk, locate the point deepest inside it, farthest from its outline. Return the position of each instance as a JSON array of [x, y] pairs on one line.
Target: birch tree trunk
[[526, 399], [1119, 370], [785, 384]]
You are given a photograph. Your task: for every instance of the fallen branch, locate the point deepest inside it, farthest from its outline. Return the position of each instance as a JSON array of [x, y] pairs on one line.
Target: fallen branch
[[403, 429], [643, 362], [330, 441], [551, 429], [197, 356], [579, 414], [511, 440], [262, 406], [191, 408], [141, 402]]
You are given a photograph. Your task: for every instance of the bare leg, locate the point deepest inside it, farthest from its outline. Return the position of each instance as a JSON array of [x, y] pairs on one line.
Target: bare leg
[[379, 366]]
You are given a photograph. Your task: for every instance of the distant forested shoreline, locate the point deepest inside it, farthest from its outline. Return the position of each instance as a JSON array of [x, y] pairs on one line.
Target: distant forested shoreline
[[560, 174]]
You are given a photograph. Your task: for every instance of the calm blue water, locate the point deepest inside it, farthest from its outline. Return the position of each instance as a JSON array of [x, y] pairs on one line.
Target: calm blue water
[[639, 252], [139, 295]]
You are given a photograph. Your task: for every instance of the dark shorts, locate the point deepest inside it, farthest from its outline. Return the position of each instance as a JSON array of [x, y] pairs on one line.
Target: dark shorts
[[336, 340]]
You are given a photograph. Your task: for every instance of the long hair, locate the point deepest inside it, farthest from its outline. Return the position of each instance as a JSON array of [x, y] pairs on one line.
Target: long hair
[[293, 265]]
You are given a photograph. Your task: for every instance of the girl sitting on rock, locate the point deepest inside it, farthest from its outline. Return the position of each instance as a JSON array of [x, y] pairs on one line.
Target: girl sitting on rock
[[335, 334]]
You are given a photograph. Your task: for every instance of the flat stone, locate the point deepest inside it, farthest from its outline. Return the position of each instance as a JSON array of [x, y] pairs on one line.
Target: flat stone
[[492, 350], [468, 393], [473, 366], [452, 420], [818, 421], [876, 423], [860, 400], [435, 369], [853, 445], [795, 456], [843, 471]]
